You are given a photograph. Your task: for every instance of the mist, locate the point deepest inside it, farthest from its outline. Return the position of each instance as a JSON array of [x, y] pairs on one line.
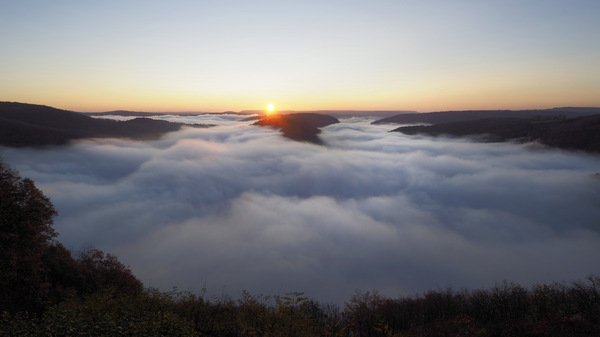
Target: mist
[[238, 207]]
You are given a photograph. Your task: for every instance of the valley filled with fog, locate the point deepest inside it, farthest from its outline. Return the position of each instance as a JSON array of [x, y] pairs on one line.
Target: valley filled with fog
[[237, 207]]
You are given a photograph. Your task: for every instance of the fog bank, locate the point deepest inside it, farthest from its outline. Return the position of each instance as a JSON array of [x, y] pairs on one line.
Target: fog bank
[[238, 207]]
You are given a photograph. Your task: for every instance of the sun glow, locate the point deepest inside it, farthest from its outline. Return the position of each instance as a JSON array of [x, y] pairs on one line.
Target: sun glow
[[270, 109]]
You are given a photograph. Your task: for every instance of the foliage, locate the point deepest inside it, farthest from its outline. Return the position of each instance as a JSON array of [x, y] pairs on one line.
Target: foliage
[[25, 232], [106, 313], [37, 272], [507, 309], [289, 315], [100, 271]]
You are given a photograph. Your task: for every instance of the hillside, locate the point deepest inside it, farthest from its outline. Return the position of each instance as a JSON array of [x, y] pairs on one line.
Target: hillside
[[127, 113], [302, 127], [457, 116], [38, 125], [581, 133], [124, 113]]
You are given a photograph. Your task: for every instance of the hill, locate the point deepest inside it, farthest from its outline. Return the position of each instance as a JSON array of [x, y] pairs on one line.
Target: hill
[[581, 133], [349, 113], [38, 125], [259, 113], [124, 113], [456, 116], [302, 127], [127, 113]]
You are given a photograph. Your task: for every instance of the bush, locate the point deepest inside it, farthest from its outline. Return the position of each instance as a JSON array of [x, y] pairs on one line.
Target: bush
[[105, 313]]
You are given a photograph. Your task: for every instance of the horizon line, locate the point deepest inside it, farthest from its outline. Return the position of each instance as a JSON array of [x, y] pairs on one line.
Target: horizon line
[[245, 111]]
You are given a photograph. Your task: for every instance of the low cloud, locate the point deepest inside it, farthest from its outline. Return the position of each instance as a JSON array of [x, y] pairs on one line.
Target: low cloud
[[239, 207]]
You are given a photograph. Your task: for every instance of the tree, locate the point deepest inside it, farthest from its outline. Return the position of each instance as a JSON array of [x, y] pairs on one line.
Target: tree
[[101, 271], [26, 218]]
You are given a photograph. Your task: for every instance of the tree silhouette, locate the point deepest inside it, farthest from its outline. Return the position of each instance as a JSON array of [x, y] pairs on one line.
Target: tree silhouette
[[101, 271], [35, 270], [26, 217]]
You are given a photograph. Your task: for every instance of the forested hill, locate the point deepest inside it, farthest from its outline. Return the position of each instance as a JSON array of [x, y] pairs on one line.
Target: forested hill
[[38, 125], [581, 133], [456, 116], [302, 127]]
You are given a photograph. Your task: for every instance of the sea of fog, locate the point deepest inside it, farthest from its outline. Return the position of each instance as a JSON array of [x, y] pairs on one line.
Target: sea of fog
[[238, 207]]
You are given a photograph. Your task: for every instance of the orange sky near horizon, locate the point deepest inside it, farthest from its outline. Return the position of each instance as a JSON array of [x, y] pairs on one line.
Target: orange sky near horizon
[[340, 55]]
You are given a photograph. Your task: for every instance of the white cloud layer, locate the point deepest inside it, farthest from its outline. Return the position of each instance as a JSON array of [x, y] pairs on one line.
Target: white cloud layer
[[239, 207]]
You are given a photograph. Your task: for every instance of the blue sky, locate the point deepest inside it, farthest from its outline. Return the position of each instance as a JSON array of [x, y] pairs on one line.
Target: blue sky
[[236, 55]]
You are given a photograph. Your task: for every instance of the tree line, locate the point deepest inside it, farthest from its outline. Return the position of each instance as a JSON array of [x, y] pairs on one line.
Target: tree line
[[45, 290]]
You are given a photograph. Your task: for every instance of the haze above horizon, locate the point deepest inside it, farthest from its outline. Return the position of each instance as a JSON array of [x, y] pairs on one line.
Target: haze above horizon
[[339, 55]]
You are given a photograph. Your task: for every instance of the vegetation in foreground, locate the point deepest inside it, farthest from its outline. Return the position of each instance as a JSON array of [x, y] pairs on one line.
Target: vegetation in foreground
[[46, 291]]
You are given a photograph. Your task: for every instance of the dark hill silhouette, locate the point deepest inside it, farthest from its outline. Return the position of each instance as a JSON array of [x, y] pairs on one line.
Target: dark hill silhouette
[[456, 116], [127, 113], [124, 113], [334, 113], [302, 127], [581, 133], [38, 125]]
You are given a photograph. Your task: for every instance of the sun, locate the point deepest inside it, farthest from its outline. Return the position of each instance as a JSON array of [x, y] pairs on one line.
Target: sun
[[270, 108]]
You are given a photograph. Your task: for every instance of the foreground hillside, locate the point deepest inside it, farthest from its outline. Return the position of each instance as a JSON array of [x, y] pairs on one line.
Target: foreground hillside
[[504, 310], [581, 133], [38, 125]]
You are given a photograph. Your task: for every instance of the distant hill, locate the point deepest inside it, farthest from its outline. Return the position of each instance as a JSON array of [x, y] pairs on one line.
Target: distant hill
[[261, 113], [335, 113], [456, 116], [124, 113], [581, 133], [39, 125], [353, 113], [127, 113], [302, 127]]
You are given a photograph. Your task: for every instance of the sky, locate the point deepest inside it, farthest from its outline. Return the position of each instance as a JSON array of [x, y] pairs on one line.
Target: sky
[[238, 207], [300, 55]]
